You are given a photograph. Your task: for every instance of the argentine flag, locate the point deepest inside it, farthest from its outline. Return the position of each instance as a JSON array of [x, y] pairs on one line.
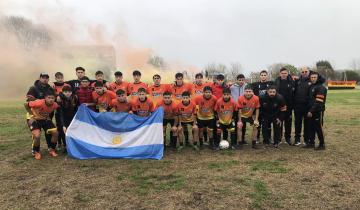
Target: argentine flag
[[115, 135]]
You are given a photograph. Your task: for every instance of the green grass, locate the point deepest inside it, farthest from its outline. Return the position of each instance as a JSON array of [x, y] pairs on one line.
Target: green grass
[[268, 166], [259, 195]]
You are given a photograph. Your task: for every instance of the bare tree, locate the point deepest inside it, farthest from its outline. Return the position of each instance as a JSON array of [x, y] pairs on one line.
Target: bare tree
[[234, 70]]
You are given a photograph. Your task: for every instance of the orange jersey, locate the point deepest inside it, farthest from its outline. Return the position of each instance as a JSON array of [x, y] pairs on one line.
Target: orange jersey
[[142, 108], [58, 87], [177, 91], [115, 87], [103, 101], [120, 106], [40, 110], [170, 110], [248, 106], [225, 110], [199, 89], [156, 92], [186, 112], [205, 107], [134, 87]]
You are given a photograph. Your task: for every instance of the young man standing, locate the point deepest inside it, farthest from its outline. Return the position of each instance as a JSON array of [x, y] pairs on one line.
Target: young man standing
[[157, 90], [102, 97], [59, 84], [273, 109], [205, 115], [170, 117], [179, 87], [40, 110], [218, 86], [142, 105], [119, 84], [68, 104], [84, 93], [75, 84], [248, 105], [199, 84], [186, 110], [99, 77], [285, 86], [238, 88], [260, 89], [133, 88], [316, 111], [225, 109]]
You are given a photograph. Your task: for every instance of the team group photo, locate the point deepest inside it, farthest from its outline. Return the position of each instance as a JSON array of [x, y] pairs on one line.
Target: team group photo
[[184, 105]]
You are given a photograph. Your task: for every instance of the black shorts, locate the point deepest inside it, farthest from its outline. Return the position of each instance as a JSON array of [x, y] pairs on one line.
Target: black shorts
[[249, 120], [169, 121], [46, 125], [184, 125], [230, 127], [206, 123]]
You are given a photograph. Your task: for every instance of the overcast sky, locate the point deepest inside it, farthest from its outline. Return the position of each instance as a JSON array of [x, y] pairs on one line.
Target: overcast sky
[[255, 33]]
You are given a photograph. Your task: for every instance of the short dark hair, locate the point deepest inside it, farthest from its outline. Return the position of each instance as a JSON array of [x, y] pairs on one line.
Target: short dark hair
[[66, 88], [185, 93], [248, 87], [118, 73], [120, 92], [167, 93], [240, 76], [264, 71], [220, 77], [141, 90], [314, 72], [199, 75], [271, 87], [283, 69], [226, 90], [156, 75], [79, 68], [85, 78], [179, 74], [49, 93], [207, 88], [136, 73], [99, 84], [99, 72], [57, 74]]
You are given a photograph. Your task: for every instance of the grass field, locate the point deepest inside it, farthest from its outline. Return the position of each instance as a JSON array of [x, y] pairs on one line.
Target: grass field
[[287, 178]]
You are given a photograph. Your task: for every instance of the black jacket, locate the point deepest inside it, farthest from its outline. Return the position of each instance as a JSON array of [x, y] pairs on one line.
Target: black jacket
[[260, 88], [302, 87], [38, 90], [272, 108], [67, 108], [286, 88], [317, 97]]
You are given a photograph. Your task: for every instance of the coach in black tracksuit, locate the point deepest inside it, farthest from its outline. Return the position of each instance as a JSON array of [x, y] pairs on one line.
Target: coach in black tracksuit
[[301, 100], [285, 86], [260, 89], [273, 108], [317, 99]]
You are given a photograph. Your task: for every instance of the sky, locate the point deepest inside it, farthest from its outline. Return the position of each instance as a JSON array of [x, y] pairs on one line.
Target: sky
[[254, 33]]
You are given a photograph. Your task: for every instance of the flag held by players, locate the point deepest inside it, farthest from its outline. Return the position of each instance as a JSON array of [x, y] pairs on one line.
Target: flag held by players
[[115, 135]]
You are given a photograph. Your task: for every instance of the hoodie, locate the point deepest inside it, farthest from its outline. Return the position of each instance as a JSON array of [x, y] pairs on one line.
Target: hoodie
[[317, 97], [286, 88], [237, 90], [302, 87], [38, 90]]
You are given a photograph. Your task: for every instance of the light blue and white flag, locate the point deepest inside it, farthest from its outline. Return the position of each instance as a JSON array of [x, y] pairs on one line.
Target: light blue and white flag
[[115, 135]]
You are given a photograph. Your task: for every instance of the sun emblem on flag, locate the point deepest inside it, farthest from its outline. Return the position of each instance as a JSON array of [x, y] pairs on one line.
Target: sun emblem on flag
[[116, 140]]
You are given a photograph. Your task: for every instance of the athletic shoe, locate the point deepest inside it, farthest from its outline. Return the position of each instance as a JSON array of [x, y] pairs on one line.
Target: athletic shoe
[[196, 148], [288, 141], [276, 146], [37, 155], [216, 148], [244, 142], [180, 148], [53, 153], [320, 147], [297, 143]]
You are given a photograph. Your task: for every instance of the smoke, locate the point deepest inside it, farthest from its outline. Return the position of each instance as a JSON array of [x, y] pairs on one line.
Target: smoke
[[52, 40]]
